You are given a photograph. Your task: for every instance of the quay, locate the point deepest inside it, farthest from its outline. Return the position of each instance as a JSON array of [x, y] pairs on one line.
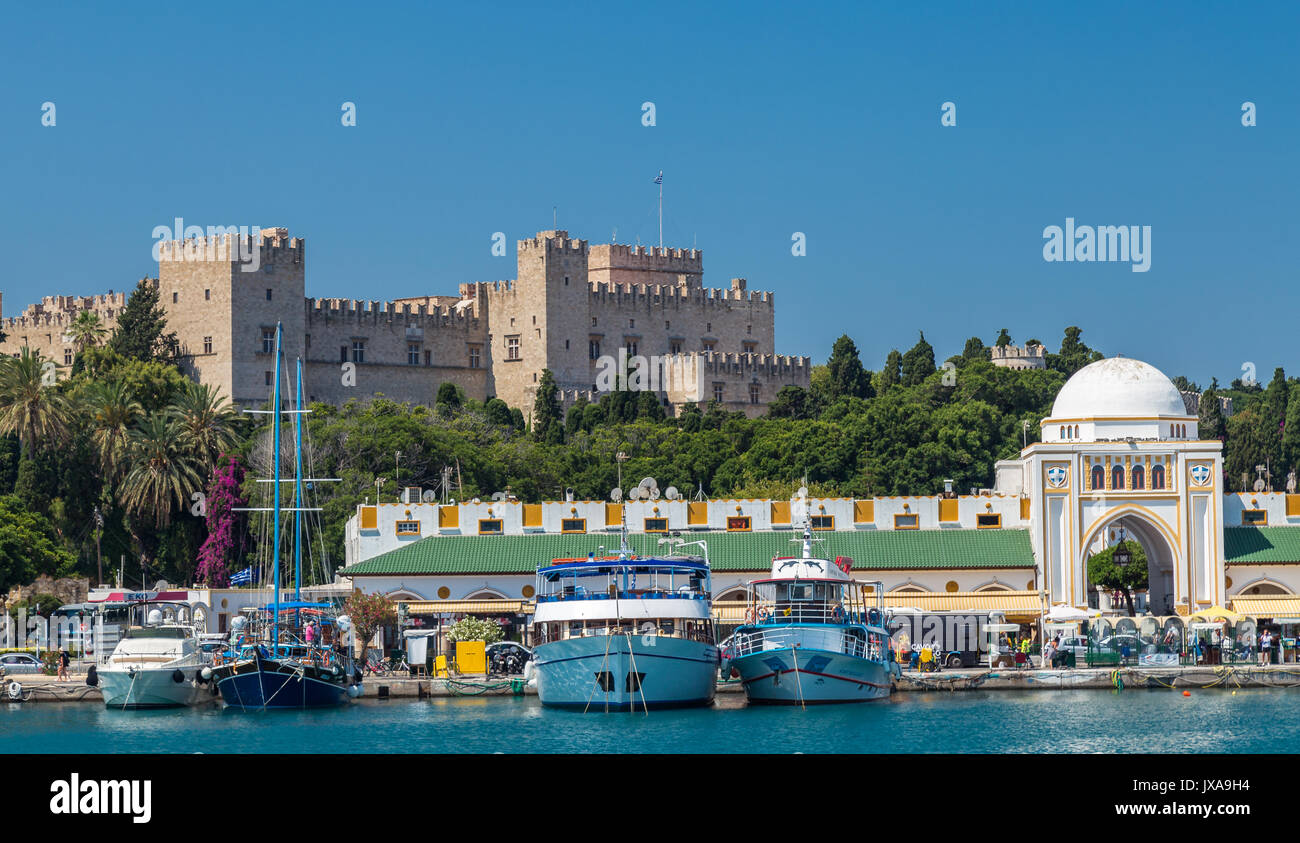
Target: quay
[[40, 688]]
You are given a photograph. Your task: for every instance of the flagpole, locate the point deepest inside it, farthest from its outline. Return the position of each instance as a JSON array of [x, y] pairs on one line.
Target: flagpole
[[661, 209]]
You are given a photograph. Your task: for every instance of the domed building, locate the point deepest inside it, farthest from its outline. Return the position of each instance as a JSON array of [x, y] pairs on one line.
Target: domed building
[[1120, 458]]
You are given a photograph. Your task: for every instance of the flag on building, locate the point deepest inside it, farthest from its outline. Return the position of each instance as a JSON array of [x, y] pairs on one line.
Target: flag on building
[[244, 577]]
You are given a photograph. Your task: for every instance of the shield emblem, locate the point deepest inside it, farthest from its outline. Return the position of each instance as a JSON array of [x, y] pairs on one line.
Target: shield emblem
[[1056, 476], [1200, 474]]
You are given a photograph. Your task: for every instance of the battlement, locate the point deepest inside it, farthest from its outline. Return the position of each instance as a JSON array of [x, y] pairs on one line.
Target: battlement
[[677, 295], [731, 362], [1013, 357], [361, 312], [56, 311], [226, 244], [556, 240], [653, 258]]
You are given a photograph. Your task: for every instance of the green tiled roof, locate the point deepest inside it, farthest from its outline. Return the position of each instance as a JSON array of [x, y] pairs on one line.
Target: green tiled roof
[[870, 549], [1259, 545]]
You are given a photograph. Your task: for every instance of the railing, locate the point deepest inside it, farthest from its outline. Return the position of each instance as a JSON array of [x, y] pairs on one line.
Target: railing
[[873, 647], [782, 613], [637, 594]]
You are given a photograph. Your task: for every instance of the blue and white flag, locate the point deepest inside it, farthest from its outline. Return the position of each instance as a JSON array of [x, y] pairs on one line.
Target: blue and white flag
[[244, 577], [660, 178]]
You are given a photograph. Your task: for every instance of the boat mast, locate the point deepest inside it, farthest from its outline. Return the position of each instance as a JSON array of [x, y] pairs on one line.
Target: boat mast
[[275, 493], [297, 492]]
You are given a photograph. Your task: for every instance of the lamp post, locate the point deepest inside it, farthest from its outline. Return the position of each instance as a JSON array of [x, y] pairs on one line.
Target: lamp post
[[1122, 555]]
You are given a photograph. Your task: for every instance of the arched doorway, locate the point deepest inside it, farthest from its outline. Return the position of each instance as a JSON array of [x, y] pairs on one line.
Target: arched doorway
[[1136, 529]]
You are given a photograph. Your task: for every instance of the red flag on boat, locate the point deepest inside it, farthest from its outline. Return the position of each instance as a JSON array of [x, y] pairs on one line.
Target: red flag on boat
[[844, 563]]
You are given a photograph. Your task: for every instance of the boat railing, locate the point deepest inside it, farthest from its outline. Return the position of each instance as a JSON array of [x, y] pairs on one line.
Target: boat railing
[[631, 594], [745, 643], [795, 612]]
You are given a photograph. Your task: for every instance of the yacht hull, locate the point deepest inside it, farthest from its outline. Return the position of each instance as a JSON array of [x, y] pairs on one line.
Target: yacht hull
[[626, 673], [150, 687], [786, 676], [260, 684]]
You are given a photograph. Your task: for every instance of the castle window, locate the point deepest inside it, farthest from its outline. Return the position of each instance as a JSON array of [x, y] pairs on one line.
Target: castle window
[[631, 346], [566, 345], [176, 297], [412, 354], [750, 347], [1139, 477], [709, 345], [631, 323], [268, 290], [593, 321], [708, 326], [749, 329], [207, 295], [268, 378], [268, 340], [566, 280], [1157, 476], [667, 325], [474, 357], [675, 347], [428, 357], [343, 354], [512, 348], [67, 357], [306, 338], [753, 393], [593, 348], [717, 392], [207, 345], [1117, 477], [1098, 478], [358, 351]]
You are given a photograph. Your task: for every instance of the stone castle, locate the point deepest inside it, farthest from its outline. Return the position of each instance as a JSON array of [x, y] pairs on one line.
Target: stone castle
[[570, 306]]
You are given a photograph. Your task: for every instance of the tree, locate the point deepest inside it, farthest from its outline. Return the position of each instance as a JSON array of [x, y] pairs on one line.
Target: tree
[[369, 612], [974, 350], [498, 412], [226, 539], [917, 363], [86, 330], [891, 375], [113, 413], [790, 403], [449, 397], [847, 377], [475, 629], [1274, 412], [162, 474], [205, 422], [1210, 422], [1182, 384], [1104, 573], [30, 408], [1004, 339], [573, 419], [29, 545], [1074, 353], [141, 328], [1249, 438], [548, 418], [1290, 457]]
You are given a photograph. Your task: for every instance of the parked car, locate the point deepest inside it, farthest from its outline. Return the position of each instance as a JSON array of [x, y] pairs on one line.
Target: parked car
[[1116, 644], [11, 663]]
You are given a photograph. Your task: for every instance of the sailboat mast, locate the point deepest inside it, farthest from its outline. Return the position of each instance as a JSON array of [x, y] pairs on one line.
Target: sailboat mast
[[275, 492], [297, 492]]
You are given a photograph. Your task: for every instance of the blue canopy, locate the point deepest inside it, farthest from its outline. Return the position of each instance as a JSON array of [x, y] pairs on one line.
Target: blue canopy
[[296, 604], [641, 565]]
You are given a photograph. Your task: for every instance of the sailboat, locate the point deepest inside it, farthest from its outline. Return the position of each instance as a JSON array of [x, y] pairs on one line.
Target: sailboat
[[290, 653]]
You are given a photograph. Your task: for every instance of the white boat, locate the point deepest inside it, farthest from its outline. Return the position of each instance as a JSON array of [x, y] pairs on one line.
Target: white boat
[[157, 661], [812, 634], [624, 633]]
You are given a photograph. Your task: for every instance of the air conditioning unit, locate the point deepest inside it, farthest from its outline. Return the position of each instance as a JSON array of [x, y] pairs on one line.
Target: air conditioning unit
[[411, 494]]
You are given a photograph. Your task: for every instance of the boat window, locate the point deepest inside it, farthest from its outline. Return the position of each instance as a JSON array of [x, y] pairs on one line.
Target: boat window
[[801, 591], [157, 632], [666, 626]]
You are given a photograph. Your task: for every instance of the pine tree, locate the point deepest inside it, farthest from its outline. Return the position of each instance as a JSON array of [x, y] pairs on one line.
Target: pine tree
[[548, 419], [918, 363], [891, 375], [1291, 434], [847, 377], [974, 350], [1004, 339], [140, 333], [1211, 424], [1274, 413]]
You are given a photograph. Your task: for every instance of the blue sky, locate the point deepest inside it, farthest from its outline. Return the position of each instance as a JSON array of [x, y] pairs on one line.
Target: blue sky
[[771, 119]]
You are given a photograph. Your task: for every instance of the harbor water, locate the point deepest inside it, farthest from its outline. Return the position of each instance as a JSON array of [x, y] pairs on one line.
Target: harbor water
[[1078, 721]]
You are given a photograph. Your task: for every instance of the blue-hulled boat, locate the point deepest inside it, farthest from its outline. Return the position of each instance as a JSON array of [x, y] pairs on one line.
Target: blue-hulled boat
[[812, 634], [272, 661], [625, 633]]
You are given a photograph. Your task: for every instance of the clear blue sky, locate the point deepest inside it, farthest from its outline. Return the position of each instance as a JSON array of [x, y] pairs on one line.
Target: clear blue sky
[[772, 119]]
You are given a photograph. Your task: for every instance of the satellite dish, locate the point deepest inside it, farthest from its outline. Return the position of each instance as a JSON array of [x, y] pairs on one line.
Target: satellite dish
[[476, 500], [671, 493], [654, 493], [638, 494], [498, 496], [429, 496], [802, 494], [648, 483], [616, 495]]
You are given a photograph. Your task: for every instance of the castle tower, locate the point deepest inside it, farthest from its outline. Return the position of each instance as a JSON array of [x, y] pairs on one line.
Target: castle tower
[[223, 296]]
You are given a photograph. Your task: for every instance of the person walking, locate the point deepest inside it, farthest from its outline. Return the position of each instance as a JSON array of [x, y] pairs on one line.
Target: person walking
[[63, 665]]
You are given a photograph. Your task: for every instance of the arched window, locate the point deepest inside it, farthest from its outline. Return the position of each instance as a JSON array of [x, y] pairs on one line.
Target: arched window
[[1098, 478], [1157, 476], [1076, 431], [1117, 477], [1138, 477], [1062, 431]]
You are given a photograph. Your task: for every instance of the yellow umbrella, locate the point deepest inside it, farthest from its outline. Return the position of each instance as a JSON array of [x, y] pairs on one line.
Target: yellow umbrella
[[1217, 613]]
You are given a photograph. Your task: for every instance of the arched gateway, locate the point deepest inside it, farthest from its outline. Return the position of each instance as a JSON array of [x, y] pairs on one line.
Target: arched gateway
[[1120, 449]]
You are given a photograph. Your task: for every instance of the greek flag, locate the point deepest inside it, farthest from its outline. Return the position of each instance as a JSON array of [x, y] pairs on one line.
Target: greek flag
[[244, 577], [660, 178]]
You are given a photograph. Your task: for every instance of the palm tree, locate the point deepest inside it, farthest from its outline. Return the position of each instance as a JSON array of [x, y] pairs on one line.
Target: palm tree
[[113, 413], [205, 423], [31, 405], [86, 330], [163, 474]]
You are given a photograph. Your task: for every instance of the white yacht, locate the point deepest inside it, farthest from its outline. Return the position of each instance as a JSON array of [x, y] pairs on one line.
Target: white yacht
[[157, 661]]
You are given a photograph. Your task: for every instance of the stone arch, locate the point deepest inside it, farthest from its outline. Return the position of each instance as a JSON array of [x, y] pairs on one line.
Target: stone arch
[[403, 594], [1159, 542], [738, 592], [1262, 585], [993, 585], [486, 593], [910, 587]]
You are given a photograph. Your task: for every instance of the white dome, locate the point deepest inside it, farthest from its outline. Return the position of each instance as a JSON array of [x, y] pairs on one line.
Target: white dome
[[1118, 387]]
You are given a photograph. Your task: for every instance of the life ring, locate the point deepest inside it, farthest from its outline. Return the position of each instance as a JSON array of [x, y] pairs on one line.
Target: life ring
[[15, 691], [837, 614], [749, 616], [762, 615]]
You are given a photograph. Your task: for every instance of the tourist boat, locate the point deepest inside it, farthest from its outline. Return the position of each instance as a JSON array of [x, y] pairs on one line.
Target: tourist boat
[[810, 635], [624, 633], [272, 660], [157, 660]]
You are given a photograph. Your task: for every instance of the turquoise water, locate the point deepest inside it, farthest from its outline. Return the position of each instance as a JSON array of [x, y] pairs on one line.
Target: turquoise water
[[1076, 721]]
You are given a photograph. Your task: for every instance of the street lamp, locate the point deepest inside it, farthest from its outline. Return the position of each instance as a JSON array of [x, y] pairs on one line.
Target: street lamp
[[1122, 555]]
